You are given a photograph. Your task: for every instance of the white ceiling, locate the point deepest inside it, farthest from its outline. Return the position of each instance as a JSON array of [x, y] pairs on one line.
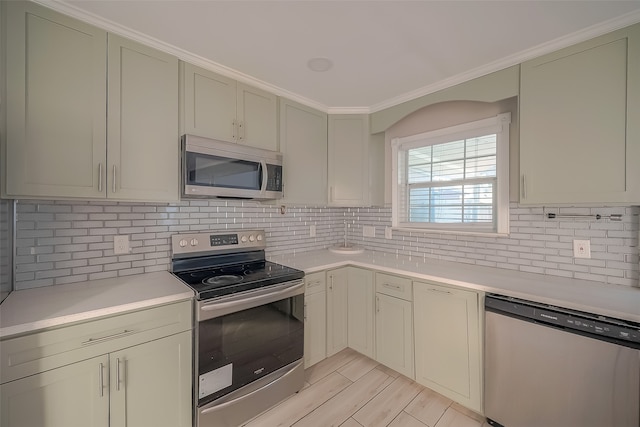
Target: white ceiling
[[383, 52]]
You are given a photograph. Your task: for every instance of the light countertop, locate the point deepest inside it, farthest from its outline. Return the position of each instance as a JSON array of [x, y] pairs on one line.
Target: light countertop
[[618, 301], [29, 310]]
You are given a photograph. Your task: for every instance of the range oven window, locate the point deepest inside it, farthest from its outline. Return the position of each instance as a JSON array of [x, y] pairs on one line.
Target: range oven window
[[238, 348], [217, 171]]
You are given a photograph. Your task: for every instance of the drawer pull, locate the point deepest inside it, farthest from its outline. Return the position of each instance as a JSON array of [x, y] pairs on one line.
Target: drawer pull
[[118, 374], [439, 290], [392, 286], [101, 380], [108, 337]]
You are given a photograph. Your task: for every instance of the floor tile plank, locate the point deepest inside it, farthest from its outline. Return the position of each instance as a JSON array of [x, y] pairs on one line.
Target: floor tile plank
[[342, 406], [328, 365], [428, 407], [299, 405], [405, 420], [383, 408], [359, 366], [453, 418], [350, 423]]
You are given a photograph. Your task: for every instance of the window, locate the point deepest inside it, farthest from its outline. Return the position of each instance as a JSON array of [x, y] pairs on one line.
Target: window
[[454, 179]]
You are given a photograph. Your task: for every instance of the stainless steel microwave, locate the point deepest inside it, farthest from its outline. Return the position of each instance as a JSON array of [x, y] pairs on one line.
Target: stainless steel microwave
[[212, 168]]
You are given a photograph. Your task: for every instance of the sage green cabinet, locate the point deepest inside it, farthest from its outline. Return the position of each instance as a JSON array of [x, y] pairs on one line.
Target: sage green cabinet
[[56, 104], [348, 163], [89, 115], [72, 395], [394, 323], [448, 342], [579, 126], [218, 107], [360, 322], [303, 144], [337, 309], [315, 318]]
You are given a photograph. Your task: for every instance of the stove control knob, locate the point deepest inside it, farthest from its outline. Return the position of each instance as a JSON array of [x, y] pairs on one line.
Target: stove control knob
[[259, 237], [183, 243], [243, 239], [252, 238], [194, 242]]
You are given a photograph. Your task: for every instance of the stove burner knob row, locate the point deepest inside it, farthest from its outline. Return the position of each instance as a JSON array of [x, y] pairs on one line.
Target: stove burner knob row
[[194, 242], [183, 243]]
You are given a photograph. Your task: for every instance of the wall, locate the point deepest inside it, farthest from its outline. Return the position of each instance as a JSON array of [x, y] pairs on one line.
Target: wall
[[6, 247], [67, 241], [535, 244], [73, 241]]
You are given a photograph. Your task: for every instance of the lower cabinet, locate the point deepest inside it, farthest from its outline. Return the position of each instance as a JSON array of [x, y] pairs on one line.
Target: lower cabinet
[[315, 319], [394, 334], [337, 309], [447, 342], [360, 292]]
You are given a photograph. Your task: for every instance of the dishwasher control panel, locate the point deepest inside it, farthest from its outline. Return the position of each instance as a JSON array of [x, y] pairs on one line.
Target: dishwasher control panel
[[591, 324]]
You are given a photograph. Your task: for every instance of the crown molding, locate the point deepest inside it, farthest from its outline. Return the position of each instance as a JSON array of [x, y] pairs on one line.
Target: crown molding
[[536, 51], [115, 28], [515, 59]]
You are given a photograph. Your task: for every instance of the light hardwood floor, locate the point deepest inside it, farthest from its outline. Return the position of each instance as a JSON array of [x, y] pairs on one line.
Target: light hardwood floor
[[351, 390]]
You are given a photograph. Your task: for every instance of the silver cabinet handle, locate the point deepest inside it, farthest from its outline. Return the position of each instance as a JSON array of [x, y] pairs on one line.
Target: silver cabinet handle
[[240, 131], [101, 380], [118, 374], [331, 192], [439, 290], [100, 177], [233, 129], [377, 304], [331, 284], [524, 186], [392, 286], [108, 337], [114, 179], [305, 311]]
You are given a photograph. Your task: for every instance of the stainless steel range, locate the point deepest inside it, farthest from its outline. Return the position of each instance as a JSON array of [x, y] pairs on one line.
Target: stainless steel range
[[249, 336]]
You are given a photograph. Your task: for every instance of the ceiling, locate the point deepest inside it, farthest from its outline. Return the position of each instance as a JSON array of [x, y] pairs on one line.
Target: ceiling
[[383, 52]]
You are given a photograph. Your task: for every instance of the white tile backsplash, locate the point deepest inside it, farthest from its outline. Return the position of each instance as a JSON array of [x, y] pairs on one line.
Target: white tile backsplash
[[67, 241]]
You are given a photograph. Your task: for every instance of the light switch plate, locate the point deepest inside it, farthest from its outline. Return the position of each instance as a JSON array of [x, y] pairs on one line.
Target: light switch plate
[[312, 231], [368, 231], [582, 249], [388, 234]]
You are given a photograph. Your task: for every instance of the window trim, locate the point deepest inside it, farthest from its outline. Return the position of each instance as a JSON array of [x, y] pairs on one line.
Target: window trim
[[498, 125]]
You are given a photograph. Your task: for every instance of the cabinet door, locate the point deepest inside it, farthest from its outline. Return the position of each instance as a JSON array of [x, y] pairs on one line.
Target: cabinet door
[[447, 342], [336, 310], [257, 115], [143, 145], [209, 102], [360, 316], [151, 383], [348, 160], [394, 334], [56, 104], [579, 124], [315, 328], [303, 143], [73, 395]]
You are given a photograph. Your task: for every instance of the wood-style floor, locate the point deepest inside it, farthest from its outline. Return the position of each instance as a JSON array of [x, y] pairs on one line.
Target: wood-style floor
[[351, 390]]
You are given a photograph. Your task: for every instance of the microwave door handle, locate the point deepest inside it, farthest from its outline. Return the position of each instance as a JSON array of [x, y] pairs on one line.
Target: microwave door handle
[[265, 176]]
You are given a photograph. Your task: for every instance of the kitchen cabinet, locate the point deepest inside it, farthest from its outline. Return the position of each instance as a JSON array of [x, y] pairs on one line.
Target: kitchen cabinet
[[348, 164], [360, 296], [87, 118], [129, 369], [447, 342], [218, 107], [579, 127], [394, 323], [315, 318], [337, 309], [303, 144]]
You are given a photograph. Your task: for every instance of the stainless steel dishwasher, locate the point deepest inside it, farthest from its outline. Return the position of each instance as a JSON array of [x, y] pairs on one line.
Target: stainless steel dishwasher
[[547, 366]]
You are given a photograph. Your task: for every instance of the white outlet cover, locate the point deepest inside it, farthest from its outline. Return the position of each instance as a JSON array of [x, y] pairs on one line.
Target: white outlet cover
[[368, 231], [388, 234], [120, 245], [582, 249], [312, 231]]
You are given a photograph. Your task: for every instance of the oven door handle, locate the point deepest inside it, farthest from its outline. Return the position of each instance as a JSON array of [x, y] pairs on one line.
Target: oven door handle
[[210, 310]]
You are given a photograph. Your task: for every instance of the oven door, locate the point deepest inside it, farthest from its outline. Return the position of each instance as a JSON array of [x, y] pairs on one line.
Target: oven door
[[245, 338]]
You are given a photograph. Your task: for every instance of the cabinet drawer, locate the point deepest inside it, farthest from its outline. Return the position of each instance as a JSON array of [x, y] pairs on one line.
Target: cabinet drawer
[[399, 287], [314, 283], [42, 351]]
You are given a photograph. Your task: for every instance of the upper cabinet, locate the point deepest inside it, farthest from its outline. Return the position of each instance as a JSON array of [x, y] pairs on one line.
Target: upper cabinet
[[348, 179], [579, 126], [218, 107], [303, 143], [57, 107]]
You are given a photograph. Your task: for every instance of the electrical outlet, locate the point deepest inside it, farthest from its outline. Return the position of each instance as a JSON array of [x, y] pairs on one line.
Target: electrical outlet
[[388, 233], [312, 231], [582, 249], [120, 245], [368, 231]]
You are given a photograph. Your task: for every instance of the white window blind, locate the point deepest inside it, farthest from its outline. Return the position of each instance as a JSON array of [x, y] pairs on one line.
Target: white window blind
[[454, 178]]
